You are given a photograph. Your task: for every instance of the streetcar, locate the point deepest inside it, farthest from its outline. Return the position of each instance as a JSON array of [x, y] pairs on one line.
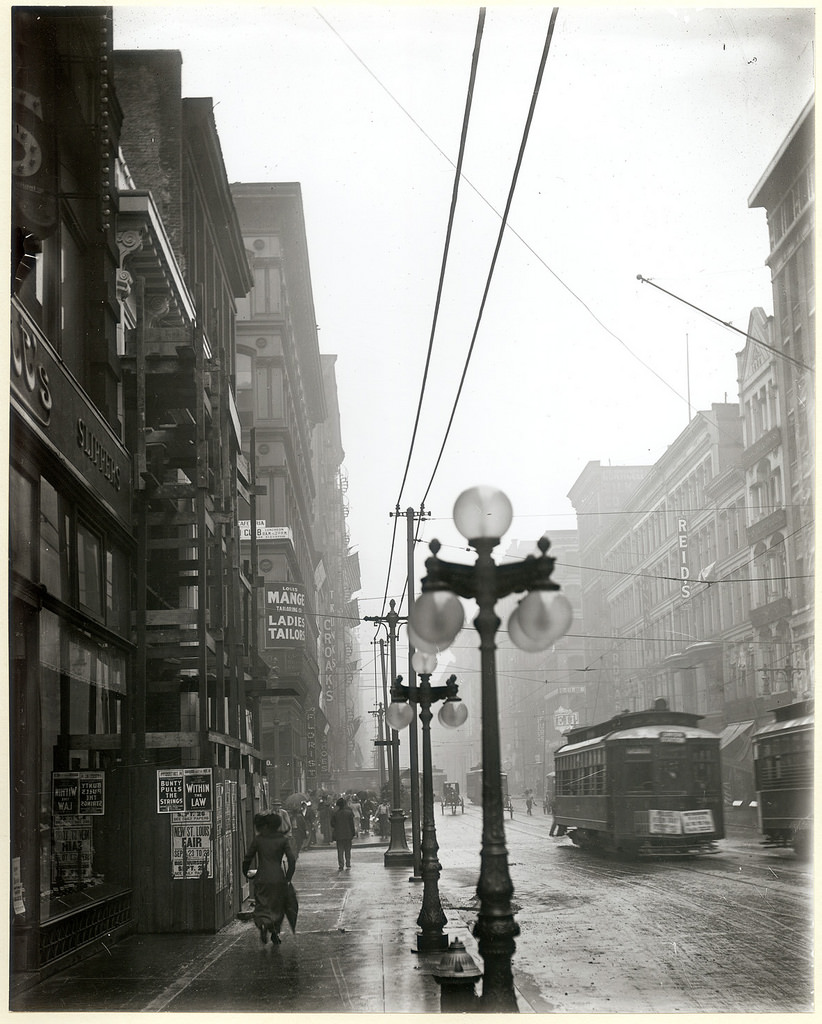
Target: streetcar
[[473, 785], [644, 783], [451, 797], [783, 775]]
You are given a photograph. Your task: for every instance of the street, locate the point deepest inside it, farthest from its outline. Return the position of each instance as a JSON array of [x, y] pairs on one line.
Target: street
[[728, 932]]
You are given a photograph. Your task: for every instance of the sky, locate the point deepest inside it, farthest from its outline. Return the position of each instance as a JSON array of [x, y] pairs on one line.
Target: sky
[[650, 130]]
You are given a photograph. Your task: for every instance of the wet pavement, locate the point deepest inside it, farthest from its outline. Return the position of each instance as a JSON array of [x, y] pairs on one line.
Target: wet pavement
[[353, 951]]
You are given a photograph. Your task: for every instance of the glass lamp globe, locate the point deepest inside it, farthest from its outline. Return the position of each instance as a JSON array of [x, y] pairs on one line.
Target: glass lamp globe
[[545, 615], [482, 512], [423, 662], [437, 617], [453, 713], [419, 644], [399, 715], [520, 638]]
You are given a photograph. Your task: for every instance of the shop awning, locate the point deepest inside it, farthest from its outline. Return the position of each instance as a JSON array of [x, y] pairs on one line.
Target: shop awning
[[732, 732], [735, 741]]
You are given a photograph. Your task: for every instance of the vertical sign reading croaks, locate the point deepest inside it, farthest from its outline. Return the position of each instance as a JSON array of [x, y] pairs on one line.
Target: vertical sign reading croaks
[[284, 615], [329, 658], [684, 571]]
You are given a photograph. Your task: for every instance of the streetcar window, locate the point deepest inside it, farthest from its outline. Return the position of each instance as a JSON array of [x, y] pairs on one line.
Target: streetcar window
[[671, 775], [639, 776]]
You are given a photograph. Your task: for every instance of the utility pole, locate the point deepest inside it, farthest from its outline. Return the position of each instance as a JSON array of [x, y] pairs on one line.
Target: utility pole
[[397, 854], [413, 749]]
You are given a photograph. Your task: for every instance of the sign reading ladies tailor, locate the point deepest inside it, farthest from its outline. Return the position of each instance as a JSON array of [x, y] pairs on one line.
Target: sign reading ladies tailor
[[284, 615]]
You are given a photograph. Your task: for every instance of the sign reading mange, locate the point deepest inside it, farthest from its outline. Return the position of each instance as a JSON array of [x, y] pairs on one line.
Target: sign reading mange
[[284, 615]]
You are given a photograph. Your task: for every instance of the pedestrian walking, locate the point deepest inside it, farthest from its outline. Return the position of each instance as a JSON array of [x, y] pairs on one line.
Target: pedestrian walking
[[300, 826], [546, 806], [529, 804], [554, 827], [269, 847], [383, 819], [324, 813], [311, 818], [356, 808], [368, 809], [343, 831]]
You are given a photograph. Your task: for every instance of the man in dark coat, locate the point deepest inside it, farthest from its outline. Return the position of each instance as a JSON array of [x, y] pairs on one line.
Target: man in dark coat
[[342, 832]]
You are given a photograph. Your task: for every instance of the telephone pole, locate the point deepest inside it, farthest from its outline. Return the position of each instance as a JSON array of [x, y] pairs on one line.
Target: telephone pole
[[413, 750], [397, 854]]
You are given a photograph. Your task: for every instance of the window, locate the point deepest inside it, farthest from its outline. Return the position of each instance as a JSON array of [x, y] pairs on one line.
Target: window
[[639, 776], [82, 696], [89, 570], [269, 391], [55, 543], [245, 379], [267, 289], [73, 311], [21, 521]]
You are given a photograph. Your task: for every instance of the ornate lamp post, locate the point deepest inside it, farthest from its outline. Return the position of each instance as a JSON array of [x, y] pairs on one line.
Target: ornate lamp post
[[482, 515], [453, 713]]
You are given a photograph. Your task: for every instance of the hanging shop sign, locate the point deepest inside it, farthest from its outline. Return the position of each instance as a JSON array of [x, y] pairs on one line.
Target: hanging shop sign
[[78, 793], [565, 718], [684, 571], [329, 658], [284, 615], [184, 789]]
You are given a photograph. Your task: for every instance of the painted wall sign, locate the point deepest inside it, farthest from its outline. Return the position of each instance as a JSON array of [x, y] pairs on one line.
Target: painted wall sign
[[263, 532], [284, 615], [55, 406]]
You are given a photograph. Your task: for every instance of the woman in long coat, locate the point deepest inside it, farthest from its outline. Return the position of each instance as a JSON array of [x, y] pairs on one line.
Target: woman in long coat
[[269, 846]]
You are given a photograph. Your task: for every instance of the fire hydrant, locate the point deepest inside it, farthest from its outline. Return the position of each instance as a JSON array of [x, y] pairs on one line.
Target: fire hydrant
[[457, 975]]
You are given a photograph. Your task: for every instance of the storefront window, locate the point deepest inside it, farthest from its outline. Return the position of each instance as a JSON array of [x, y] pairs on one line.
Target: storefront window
[[88, 570], [118, 596], [82, 701], [55, 541], [21, 514]]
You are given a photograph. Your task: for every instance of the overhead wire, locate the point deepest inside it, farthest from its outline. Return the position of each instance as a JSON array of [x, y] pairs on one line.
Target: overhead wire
[[500, 235], [525, 243], [443, 265]]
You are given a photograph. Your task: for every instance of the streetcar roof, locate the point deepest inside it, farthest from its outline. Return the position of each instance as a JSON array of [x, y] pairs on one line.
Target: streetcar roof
[[805, 722], [642, 732]]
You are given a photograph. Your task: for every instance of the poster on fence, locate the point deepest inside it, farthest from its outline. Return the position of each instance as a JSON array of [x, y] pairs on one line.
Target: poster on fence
[[191, 845]]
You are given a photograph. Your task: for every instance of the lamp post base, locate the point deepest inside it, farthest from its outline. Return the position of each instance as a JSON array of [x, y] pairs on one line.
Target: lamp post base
[[398, 854], [432, 942]]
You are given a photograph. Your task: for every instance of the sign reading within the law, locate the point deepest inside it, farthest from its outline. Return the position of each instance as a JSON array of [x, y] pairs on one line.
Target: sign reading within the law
[[78, 792], [183, 789]]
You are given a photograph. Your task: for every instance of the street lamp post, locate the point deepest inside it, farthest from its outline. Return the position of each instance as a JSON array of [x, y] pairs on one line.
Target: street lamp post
[[482, 515], [453, 713], [397, 854]]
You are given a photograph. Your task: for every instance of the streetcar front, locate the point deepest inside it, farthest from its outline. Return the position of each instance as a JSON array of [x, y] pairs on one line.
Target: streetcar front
[[666, 790]]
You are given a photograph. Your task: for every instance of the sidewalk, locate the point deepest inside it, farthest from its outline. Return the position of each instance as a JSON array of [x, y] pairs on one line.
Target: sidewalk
[[352, 953]]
